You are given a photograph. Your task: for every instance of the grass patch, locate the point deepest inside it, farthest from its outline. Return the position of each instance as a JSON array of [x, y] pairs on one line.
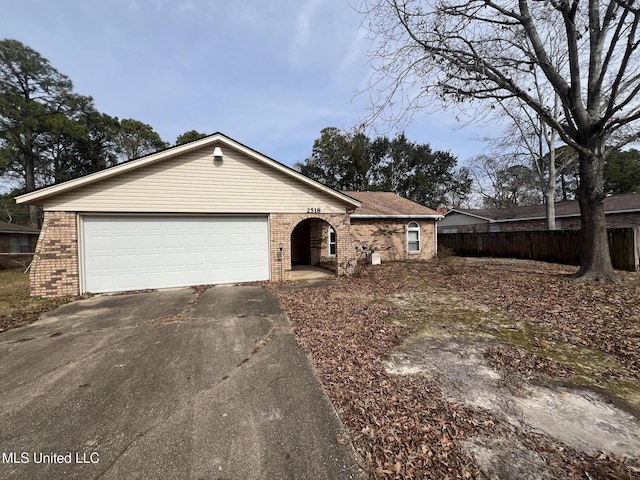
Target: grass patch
[[442, 314], [17, 308]]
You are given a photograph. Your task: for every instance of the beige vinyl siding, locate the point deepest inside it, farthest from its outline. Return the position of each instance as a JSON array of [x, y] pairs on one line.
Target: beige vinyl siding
[[193, 183]]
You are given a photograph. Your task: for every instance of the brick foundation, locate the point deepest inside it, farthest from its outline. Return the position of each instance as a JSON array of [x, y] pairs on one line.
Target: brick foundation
[[54, 271]]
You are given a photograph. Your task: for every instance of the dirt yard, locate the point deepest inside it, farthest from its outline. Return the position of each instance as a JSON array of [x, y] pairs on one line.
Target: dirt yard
[[17, 308], [479, 368]]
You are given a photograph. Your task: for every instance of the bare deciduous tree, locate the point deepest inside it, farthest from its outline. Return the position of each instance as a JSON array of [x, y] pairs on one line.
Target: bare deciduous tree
[[461, 51], [528, 136], [502, 182], [530, 141]]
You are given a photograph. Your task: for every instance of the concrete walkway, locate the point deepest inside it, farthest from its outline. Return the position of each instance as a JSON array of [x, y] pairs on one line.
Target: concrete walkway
[[166, 385], [309, 272]]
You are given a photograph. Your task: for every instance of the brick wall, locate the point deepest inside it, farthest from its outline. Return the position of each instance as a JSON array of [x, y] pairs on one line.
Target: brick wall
[[54, 271], [389, 238], [281, 226], [621, 220]]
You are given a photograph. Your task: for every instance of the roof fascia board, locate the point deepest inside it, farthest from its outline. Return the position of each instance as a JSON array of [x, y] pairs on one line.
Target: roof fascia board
[[566, 215], [172, 152], [469, 214], [526, 219], [628, 210], [291, 172], [113, 171]]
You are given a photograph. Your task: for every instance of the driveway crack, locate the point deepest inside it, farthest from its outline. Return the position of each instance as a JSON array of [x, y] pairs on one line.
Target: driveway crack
[[259, 346], [184, 314], [262, 341]]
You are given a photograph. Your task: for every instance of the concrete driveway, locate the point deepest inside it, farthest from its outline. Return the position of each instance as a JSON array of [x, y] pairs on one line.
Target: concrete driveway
[[166, 385]]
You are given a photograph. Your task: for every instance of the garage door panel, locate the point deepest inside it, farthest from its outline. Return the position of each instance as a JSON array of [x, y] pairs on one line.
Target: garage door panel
[[198, 241], [150, 261], [128, 280], [130, 253], [175, 240], [173, 259], [199, 278], [196, 260], [174, 278], [125, 262], [102, 242], [150, 278], [151, 240]]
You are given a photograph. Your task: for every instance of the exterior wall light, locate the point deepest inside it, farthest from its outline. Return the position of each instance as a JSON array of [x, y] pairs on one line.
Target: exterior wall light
[[217, 154]]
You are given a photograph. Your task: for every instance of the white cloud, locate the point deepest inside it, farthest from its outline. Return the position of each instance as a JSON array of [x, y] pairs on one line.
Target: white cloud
[[355, 54], [302, 28]]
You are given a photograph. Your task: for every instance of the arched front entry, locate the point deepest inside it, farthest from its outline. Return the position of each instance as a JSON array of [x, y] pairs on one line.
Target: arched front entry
[[313, 242]]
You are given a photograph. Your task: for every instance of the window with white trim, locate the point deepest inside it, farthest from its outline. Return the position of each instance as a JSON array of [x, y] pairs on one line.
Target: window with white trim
[[413, 237], [332, 242]]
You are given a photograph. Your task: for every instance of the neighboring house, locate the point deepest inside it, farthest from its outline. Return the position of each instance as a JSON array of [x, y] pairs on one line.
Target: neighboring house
[[17, 244], [620, 211], [206, 212]]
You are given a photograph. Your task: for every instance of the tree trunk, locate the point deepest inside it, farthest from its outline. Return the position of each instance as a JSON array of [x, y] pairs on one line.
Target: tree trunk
[[34, 216], [595, 259], [550, 192], [550, 209], [30, 181], [563, 183]]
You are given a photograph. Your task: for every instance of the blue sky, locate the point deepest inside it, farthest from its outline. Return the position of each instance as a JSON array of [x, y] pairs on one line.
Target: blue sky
[[270, 74]]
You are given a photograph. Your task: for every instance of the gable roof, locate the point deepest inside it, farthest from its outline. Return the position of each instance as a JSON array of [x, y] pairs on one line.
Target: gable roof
[[216, 139], [613, 204], [389, 205], [6, 227]]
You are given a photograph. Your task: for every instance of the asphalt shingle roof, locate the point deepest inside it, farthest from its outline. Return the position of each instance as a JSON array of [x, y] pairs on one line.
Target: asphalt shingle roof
[[613, 203], [387, 203], [13, 228]]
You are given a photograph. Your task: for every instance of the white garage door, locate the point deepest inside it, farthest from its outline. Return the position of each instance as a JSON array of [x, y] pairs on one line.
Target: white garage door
[[133, 253]]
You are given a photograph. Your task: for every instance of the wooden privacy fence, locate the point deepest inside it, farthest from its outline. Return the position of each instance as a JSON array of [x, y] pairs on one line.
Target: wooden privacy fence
[[559, 246]]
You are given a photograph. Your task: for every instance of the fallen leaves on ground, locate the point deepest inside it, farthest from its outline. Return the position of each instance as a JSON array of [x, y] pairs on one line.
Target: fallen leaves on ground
[[402, 426], [599, 316], [508, 359]]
